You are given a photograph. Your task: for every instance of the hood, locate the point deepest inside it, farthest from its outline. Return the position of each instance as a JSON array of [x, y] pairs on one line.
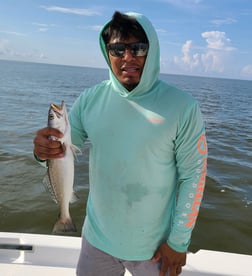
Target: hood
[[152, 63]]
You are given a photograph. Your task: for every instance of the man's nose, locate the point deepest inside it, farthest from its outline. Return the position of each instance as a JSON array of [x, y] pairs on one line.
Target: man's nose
[[128, 54]]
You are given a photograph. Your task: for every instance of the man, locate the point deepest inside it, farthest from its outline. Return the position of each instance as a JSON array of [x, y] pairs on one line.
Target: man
[[147, 159]]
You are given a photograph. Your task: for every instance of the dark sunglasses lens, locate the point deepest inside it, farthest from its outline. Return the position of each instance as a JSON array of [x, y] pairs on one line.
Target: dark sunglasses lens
[[137, 49], [117, 49]]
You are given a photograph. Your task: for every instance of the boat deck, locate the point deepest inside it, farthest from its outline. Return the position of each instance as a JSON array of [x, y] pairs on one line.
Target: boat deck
[[40, 255]]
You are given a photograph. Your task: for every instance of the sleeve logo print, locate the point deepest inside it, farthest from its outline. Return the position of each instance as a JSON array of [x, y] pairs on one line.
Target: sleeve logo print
[[202, 149]]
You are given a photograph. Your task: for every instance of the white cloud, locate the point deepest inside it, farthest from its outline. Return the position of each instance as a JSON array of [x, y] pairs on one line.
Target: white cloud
[[246, 71], [213, 61], [12, 33], [183, 3], [7, 51], [42, 56], [4, 46], [226, 21], [42, 27], [192, 5], [43, 30], [94, 27], [161, 31], [86, 12], [190, 59], [217, 40], [211, 58]]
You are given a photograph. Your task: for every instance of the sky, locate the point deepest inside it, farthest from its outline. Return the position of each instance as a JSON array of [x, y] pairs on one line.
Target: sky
[[210, 38]]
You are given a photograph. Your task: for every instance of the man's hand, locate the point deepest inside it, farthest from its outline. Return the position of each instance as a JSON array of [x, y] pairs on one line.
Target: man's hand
[[170, 259], [46, 148]]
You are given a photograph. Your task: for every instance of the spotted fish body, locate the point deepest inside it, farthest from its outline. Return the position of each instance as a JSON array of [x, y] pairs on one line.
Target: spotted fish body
[[60, 173]]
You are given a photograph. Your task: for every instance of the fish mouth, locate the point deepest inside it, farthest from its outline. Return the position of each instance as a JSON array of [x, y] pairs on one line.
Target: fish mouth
[[58, 110], [56, 107]]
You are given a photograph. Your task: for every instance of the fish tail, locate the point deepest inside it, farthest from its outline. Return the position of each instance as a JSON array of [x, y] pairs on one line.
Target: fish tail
[[74, 198], [64, 226]]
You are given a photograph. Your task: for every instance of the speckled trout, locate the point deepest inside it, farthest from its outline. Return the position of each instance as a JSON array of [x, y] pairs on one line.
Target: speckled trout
[[60, 173]]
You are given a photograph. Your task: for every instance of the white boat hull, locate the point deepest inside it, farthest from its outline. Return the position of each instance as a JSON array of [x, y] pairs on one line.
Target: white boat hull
[[33, 254]]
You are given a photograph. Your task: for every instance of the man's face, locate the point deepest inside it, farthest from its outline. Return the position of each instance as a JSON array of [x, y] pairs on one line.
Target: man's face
[[128, 68]]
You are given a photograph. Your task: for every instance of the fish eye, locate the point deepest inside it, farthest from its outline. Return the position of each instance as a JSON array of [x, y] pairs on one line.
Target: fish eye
[[51, 116]]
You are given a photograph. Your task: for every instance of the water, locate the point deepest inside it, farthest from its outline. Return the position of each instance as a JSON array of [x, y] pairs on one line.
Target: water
[[225, 221]]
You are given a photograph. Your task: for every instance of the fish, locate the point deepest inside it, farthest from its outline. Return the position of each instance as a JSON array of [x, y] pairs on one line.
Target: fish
[[59, 178]]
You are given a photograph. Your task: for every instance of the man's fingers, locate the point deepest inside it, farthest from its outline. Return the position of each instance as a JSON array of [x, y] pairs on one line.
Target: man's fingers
[[46, 148], [164, 268], [52, 152], [156, 257], [49, 131], [171, 260], [179, 270], [172, 271]]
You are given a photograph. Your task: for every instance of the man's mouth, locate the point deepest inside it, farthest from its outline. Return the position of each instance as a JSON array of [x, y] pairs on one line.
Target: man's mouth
[[130, 69]]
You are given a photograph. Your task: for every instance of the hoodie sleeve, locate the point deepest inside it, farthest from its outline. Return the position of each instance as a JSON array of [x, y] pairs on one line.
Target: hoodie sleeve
[[76, 118], [191, 158]]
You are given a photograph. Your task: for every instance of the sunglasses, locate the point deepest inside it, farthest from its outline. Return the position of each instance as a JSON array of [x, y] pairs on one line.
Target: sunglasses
[[137, 49]]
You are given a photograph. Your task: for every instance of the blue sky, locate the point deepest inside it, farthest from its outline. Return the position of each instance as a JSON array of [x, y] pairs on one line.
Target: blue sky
[[197, 37]]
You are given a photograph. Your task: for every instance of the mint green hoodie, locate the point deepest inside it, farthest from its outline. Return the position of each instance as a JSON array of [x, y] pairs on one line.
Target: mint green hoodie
[[147, 163]]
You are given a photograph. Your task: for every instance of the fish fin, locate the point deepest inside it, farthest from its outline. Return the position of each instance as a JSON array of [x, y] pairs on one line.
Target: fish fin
[[49, 188], [75, 150], [74, 198], [64, 226]]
